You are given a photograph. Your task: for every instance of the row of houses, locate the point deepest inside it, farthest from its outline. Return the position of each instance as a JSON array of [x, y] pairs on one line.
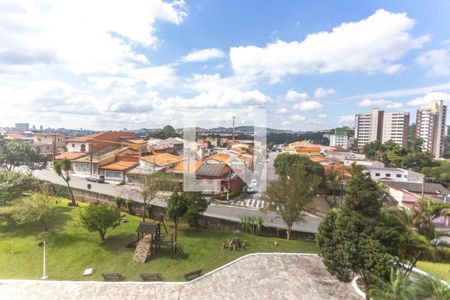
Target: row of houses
[[121, 157]]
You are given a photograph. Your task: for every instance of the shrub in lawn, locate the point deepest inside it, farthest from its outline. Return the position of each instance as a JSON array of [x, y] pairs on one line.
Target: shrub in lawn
[[119, 201], [129, 203], [252, 225], [98, 218]]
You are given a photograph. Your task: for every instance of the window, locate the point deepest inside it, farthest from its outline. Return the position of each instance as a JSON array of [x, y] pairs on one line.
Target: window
[[73, 145], [377, 174], [388, 174], [83, 148], [399, 175], [39, 139]]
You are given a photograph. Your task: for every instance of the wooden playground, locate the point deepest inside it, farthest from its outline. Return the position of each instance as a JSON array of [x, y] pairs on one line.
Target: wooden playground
[[149, 240]]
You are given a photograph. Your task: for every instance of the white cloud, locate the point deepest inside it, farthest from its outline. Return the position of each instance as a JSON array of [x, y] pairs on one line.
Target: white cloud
[[297, 117], [347, 119], [154, 76], [281, 110], [436, 61], [430, 97], [82, 36], [293, 95], [322, 92], [308, 105], [370, 45], [322, 116], [381, 103], [203, 55]]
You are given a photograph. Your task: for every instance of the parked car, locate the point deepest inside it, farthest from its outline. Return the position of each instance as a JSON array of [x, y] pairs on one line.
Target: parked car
[[96, 178]]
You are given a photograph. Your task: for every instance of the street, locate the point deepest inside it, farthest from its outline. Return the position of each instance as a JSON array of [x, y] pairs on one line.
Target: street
[[220, 211]]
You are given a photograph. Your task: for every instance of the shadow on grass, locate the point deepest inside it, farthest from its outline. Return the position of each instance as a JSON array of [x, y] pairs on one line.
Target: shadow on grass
[[56, 224], [117, 242]]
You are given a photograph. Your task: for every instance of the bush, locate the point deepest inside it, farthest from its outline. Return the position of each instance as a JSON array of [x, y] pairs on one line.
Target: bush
[[130, 204], [119, 201], [232, 195], [98, 218], [252, 225]]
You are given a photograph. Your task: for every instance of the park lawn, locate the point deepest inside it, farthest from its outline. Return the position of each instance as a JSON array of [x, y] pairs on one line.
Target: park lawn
[[441, 270], [71, 249]]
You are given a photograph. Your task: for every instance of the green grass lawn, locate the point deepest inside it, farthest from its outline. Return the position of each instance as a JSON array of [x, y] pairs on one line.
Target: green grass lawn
[[71, 249], [441, 270]]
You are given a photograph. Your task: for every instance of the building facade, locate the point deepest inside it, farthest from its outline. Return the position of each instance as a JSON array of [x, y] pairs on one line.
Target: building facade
[[339, 137], [381, 126], [431, 127]]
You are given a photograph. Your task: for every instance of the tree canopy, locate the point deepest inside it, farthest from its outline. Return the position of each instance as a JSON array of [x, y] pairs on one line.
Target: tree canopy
[[98, 218], [37, 208], [284, 161], [289, 194], [162, 133], [15, 154], [13, 184]]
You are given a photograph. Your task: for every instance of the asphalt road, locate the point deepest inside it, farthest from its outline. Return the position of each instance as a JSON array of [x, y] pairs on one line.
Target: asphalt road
[[221, 211]]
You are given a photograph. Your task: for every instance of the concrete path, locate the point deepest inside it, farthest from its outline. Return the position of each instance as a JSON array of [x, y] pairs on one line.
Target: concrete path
[[255, 276]]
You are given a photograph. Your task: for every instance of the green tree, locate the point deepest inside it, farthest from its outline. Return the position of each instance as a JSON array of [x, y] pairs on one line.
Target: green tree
[[335, 179], [196, 205], [347, 237], [432, 288], [63, 168], [374, 150], [440, 173], [162, 133], [13, 184], [151, 184], [285, 160], [176, 209], [348, 248], [39, 208], [425, 213], [18, 153], [290, 193], [98, 218]]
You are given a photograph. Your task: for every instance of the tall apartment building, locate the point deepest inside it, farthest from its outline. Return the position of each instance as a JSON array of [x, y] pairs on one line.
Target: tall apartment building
[[22, 126], [431, 127], [381, 126]]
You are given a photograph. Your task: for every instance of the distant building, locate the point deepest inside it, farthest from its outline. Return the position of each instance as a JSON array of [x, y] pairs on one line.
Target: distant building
[[381, 126], [431, 127], [339, 137], [22, 126]]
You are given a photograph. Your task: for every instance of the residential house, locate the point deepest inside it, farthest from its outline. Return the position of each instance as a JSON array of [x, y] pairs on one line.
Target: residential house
[[395, 174], [117, 170], [49, 144], [157, 162], [97, 141]]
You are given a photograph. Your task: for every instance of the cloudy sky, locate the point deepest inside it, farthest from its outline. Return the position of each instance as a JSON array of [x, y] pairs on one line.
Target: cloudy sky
[[105, 64]]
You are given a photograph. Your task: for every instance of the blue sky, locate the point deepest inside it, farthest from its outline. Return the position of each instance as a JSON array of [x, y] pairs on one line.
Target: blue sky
[[310, 64]]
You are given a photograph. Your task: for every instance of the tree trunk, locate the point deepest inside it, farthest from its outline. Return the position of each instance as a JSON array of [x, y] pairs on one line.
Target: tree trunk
[[102, 234], [45, 225], [144, 210], [366, 287], [71, 192], [176, 229], [288, 231]]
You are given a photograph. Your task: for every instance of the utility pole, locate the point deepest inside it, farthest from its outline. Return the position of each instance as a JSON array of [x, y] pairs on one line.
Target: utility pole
[[44, 276], [234, 120]]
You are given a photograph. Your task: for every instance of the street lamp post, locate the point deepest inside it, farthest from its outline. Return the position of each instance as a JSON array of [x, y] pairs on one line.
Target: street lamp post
[[44, 275]]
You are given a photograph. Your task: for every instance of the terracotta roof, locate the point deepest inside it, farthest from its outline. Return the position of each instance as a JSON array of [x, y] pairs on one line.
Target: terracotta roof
[[135, 141], [162, 159], [47, 134], [220, 157], [307, 149], [238, 150], [84, 138], [100, 155], [319, 159], [15, 135], [179, 167], [120, 165], [71, 155]]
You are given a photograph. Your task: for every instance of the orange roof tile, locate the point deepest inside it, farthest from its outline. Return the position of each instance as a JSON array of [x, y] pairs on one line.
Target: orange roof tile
[[70, 155], [179, 167], [307, 148], [162, 159], [318, 159], [120, 165], [220, 157], [135, 141], [84, 138]]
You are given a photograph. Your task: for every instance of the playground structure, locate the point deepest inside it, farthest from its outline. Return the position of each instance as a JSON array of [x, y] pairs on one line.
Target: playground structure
[[149, 240]]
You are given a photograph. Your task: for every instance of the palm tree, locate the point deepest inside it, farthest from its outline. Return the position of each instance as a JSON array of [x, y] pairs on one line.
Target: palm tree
[[425, 212], [397, 288], [63, 168], [432, 288]]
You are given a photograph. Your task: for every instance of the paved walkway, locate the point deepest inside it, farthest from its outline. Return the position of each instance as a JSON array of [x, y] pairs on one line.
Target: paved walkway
[[255, 276]]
